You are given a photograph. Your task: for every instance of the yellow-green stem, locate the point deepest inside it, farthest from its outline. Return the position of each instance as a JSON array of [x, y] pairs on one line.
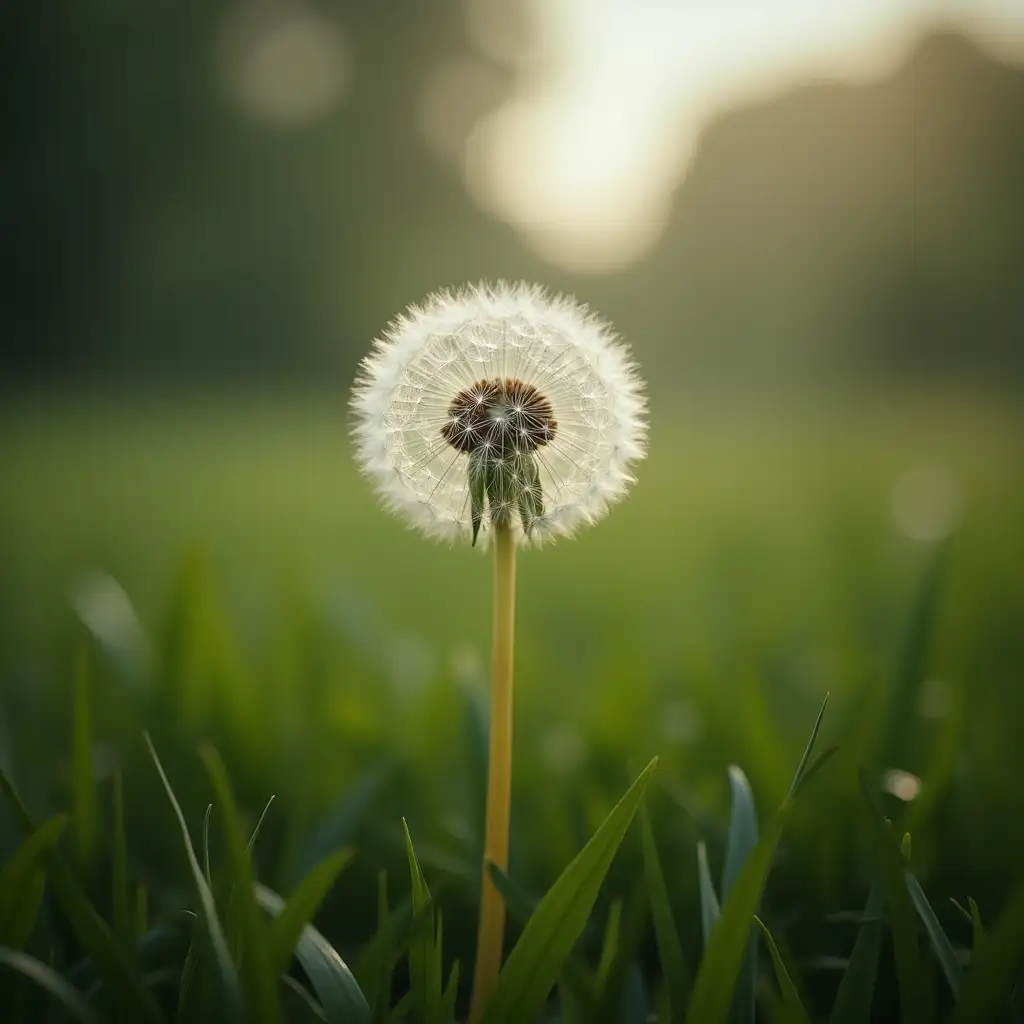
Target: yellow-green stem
[[499, 774]]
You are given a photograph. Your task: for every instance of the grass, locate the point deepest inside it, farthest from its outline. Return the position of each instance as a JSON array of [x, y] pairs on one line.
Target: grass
[[333, 660]]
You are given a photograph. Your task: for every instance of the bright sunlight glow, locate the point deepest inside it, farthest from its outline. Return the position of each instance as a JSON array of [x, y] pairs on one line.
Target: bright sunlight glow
[[583, 159]]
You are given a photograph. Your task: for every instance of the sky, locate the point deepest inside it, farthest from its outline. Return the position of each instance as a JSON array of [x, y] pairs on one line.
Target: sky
[[583, 158]]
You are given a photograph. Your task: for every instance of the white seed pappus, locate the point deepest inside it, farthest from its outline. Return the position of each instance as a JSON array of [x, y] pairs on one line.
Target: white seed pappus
[[444, 348]]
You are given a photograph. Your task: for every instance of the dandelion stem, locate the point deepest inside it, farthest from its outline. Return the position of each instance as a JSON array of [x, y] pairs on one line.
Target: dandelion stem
[[499, 774]]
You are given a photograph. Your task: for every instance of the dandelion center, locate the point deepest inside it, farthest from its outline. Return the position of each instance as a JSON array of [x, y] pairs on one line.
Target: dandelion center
[[506, 414], [499, 406]]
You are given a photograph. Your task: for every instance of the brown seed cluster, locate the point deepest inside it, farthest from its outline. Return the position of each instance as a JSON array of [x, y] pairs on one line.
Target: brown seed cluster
[[507, 415]]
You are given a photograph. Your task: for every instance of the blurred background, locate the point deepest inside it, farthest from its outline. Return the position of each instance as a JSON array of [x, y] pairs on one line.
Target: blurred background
[[808, 221]]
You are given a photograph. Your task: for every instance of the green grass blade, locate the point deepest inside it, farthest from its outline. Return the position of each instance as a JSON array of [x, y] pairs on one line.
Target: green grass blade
[[815, 766], [51, 983], [609, 944], [298, 1002], [300, 908], [376, 963], [793, 1011], [986, 991], [977, 927], [401, 1010], [25, 913], [90, 929], [518, 902], [857, 989], [916, 997], [964, 912], [384, 972], [742, 839], [425, 978], [439, 962], [340, 996], [207, 873], [941, 945], [85, 825], [569, 1008], [382, 954], [259, 824], [621, 989], [187, 991], [227, 976], [709, 908], [259, 980], [576, 976], [742, 828], [636, 1005], [22, 881], [451, 992], [730, 939], [123, 920], [674, 972], [535, 963], [802, 770]]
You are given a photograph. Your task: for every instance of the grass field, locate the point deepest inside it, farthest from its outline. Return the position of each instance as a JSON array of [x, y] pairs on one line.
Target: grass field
[[337, 660]]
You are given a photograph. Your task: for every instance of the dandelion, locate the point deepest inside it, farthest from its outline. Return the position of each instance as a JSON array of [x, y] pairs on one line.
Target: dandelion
[[498, 413]]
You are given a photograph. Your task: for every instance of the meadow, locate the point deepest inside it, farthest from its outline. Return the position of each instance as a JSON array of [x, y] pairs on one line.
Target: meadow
[[212, 570]]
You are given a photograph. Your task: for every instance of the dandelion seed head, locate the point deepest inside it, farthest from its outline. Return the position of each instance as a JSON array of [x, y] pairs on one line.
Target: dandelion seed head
[[511, 373]]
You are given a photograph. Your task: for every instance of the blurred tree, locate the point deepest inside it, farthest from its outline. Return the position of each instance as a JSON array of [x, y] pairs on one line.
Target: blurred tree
[[153, 223], [856, 230], [229, 190]]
